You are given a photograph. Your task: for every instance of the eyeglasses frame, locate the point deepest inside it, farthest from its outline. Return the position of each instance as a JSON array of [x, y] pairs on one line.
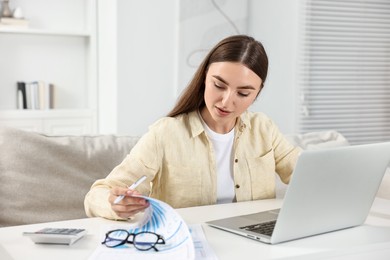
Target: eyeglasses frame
[[160, 239]]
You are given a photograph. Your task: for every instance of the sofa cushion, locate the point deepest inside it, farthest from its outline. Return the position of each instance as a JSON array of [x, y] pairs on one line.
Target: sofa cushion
[[318, 140], [45, 178]]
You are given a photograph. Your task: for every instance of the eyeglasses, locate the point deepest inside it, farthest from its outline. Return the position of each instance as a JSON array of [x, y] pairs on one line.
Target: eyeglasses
[[142, 241]]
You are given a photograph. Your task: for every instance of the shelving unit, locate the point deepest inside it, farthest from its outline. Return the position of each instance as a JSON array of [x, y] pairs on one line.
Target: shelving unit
[[59, 47], [44, 32], [53, 122]]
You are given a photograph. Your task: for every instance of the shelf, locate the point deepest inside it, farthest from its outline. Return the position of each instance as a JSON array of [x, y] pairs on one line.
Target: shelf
[[52, 122], [14, 30], [49, 113]]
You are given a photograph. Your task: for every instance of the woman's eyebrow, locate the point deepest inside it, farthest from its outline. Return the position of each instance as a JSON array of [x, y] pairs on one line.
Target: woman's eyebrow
[[226, 83], [221, 79]]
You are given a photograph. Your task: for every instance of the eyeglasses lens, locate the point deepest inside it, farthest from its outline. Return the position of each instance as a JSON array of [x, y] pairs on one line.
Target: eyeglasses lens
[[116, 238], [145, 241]]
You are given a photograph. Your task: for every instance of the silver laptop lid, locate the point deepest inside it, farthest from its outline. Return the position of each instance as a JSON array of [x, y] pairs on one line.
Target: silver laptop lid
[[331, 189]]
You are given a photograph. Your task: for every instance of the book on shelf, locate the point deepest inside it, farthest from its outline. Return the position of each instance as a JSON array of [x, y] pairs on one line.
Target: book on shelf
[[21, 95], [35, 95], [10, 22]]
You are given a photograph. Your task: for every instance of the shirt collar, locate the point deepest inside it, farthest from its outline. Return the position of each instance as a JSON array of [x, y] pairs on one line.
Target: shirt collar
[[197, 127], [243, 122], [195, 123]]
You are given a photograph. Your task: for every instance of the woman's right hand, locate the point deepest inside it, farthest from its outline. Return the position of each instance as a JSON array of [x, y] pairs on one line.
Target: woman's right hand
[[129, 205]]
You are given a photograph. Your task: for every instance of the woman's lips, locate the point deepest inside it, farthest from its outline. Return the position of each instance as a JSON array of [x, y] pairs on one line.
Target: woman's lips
[[222, 112]]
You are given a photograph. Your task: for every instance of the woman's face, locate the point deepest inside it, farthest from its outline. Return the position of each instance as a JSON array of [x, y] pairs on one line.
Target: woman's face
[[230, 88]]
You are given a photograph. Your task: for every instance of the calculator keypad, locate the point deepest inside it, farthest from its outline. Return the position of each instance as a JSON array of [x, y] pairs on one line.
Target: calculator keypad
[[60, 231]]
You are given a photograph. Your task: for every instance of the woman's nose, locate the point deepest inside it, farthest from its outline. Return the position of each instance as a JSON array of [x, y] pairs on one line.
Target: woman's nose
[[227, 98]]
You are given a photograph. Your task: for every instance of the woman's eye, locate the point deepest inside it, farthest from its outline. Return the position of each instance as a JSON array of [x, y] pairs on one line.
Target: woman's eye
[[243, 94], [217, 86]]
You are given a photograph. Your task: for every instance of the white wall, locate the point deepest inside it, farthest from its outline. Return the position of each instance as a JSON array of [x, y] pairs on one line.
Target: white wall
[[137, 63], [202, 24], [146, 82], [275, 24], [146, 62]]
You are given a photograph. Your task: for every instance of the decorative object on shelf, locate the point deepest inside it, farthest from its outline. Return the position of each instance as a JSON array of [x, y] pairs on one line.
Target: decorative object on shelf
[[18, 13], [12, 20], [6, 11]]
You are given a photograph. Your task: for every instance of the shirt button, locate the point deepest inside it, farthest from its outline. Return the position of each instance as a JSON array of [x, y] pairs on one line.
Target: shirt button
[[236, 160], [237, 186]]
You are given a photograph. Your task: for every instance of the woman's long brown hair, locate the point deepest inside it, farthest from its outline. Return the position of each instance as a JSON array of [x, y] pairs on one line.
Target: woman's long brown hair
[[238, 48]]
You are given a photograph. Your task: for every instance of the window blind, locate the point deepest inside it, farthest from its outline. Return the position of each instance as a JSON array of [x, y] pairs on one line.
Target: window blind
[[344, 69]]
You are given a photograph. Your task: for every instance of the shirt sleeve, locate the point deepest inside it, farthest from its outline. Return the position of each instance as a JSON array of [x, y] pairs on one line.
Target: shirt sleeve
[[142, 160], [286, 155]]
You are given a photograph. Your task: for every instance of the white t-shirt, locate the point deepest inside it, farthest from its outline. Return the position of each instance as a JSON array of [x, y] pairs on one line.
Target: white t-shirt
[[223, 147]]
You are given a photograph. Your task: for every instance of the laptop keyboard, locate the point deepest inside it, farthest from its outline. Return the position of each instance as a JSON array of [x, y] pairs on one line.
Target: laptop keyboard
[[265, 228]]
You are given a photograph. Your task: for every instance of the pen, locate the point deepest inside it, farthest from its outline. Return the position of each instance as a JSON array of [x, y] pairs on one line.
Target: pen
[[132, 187]]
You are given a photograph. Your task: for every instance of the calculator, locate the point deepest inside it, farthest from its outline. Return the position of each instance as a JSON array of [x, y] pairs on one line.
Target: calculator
[[65, 236]]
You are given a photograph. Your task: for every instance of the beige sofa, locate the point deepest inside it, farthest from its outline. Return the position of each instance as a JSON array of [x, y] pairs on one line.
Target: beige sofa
[[45, 178]]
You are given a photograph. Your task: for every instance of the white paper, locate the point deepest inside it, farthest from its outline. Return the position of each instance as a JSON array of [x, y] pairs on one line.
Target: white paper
[[161, 219], [203, 251]]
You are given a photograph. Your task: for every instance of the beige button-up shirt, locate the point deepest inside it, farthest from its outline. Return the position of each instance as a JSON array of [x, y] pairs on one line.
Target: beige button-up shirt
[[178, 159]]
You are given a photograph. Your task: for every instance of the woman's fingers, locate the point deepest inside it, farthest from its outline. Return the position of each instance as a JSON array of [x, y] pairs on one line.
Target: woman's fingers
[[129, 205]]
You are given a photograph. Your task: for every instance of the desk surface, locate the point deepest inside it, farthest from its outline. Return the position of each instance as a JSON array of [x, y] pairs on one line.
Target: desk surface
[[369, 241]]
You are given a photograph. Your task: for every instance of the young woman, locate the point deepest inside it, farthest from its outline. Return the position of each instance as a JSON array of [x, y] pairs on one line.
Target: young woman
[[209, 149]]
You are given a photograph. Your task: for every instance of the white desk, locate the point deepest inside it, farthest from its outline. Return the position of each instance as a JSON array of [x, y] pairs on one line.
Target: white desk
[[369, 241]]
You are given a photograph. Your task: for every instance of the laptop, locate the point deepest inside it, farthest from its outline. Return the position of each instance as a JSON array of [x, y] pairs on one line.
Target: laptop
[[329, 190]]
